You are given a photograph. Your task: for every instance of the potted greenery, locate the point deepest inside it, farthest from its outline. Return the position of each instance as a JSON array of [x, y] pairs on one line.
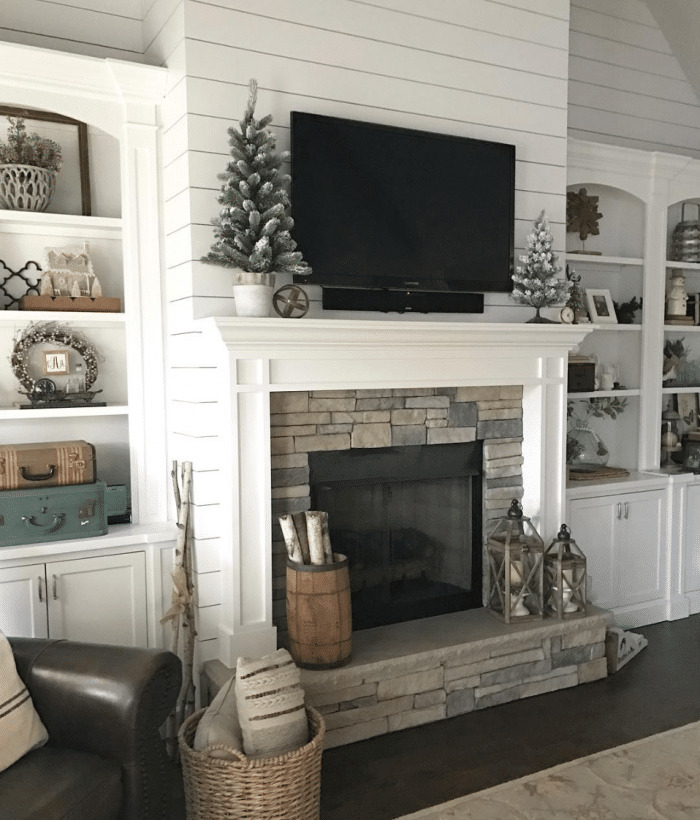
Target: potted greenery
[[28, 168], [253, 227]]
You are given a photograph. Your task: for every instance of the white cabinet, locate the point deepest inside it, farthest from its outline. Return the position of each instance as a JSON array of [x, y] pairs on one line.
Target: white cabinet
[[23, 601], [624, 539], [98, 599], [691, 543]]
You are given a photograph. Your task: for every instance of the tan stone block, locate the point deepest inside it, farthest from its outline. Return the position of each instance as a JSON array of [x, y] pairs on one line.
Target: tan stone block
[[332, 405], [332, 695], [496, 463], [451, 435], [292, 419], [331, 429], [281, 446], [492, 493], [289, 402], [510, 413], [500, 451], [312, 444], [359, 731], [327, 710], [492, 663], [299, 430], [395, 667], [433, 423], [370, 416], [371, 435], [366, 714], [427, 401], [300, 491], [593, 670], [326, 680], [391, 403], [333, 394], [478, 393], [406, 417], [436, 412], [373, 394], [416, 717], [290, 460], [498, 405], [429, 698], [502, 472], [410, 684], [413, 391], [467, 653], [462, 683], [583, 637]]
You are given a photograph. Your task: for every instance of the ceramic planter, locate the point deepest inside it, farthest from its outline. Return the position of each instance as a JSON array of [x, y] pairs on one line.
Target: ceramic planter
[[26, 187], [253, 292]]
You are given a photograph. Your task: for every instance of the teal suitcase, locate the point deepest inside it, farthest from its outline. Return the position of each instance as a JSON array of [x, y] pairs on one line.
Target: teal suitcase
[[52, 514]]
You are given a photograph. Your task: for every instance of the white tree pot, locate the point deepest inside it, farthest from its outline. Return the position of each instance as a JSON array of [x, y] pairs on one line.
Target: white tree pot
[[253, 293]]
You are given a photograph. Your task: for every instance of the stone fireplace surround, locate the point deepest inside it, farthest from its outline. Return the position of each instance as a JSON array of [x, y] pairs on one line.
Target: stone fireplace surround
[[255, 359]]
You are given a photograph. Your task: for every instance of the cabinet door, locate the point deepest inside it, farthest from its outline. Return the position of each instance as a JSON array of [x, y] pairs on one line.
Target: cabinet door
[[23, 601], [640, 548], [593, 525], [692, 540], [101, 600]]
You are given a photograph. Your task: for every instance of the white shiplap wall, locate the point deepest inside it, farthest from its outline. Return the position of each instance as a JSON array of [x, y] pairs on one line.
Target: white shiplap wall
[[625, 85], [98, 28], [484, 69]]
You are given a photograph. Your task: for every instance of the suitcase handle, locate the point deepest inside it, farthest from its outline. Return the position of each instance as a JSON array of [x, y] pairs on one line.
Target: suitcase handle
[[52, 526], [27, 476]]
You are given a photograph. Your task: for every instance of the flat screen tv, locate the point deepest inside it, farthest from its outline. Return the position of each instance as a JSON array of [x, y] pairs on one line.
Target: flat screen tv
[[380, 208]]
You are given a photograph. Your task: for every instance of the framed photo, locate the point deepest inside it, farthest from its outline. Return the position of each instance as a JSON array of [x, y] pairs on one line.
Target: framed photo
[[600, 306], [56, 363], [688, 409], [73, 180]]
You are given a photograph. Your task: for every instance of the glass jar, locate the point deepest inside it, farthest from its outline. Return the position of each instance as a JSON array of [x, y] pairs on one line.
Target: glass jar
[[588, 452]]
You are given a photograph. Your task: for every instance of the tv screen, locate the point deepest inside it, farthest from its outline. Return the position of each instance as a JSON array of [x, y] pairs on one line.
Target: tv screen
[[383, 207]]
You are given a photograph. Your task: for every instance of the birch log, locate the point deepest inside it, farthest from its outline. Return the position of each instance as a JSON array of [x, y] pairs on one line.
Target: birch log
[[327, 549], [300, 526], [291, 539], [315, 532]]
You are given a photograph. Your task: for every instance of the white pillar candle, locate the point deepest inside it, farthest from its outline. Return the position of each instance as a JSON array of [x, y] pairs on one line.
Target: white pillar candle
[[516, 573]]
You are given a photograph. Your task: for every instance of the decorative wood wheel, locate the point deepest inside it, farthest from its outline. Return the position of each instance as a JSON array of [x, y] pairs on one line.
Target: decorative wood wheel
[[291, 302]]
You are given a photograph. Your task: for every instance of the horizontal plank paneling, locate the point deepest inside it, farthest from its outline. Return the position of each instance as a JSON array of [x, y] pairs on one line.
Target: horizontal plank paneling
[[328, 28], [625, 85], [61, 43]]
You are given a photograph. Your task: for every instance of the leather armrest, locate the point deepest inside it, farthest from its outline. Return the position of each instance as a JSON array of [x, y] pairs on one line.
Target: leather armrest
[[108, 700]]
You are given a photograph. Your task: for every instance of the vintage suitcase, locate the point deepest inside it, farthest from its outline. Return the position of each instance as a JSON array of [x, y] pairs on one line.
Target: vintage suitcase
[[52, 514], [46, 464]]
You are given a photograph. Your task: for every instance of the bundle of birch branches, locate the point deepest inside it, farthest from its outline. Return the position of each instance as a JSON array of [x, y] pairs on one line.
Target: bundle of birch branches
[[307, 538]]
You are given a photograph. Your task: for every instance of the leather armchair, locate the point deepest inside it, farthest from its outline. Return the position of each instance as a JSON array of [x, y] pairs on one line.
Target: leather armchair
[[105, 760]]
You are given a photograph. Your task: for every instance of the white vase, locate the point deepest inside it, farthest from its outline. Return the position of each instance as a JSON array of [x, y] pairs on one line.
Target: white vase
[[253, 292], [26, 187]]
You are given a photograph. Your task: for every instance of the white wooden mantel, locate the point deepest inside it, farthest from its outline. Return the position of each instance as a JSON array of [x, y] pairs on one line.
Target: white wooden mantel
[[255, 357]]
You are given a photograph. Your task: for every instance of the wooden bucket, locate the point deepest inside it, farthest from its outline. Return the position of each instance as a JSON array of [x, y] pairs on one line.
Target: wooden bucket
[[319, 615]]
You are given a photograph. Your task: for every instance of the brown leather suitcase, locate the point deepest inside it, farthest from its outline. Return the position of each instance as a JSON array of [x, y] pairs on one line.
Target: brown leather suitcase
[[46, 464]]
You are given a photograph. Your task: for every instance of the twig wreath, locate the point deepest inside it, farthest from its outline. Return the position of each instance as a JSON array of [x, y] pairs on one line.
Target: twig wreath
[[54, 333]]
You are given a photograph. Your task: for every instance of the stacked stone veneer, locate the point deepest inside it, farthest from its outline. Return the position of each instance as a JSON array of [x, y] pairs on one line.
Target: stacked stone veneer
[[368, 699], [308, 421]]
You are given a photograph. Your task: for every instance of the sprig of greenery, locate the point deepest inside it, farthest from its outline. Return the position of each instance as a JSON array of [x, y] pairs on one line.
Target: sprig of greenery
[[22, 148], [610, 406]]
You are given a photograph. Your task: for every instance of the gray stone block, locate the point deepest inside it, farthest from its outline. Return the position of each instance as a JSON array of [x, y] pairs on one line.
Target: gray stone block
[[408, 436], [450, 435], [310, 444], [429, 698], [500, 429], [333, 394], [357, 703], [359, 731], [526, 690], [292, 419], [332, 405], [401, 418], [517, 674], [428, 401], [365, 714], [593, 670], [413, 391], [288, 478], [290, 460], [576, 655], [281, 506], [460, 702], [331, 429], [416, 717], [462, 414], [410, 684], [289, 402], [506, 481], [392, 403]]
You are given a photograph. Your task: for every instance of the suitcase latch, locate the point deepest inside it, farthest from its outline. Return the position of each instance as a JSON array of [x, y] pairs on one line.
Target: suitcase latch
[[76, 462], [87, 510]]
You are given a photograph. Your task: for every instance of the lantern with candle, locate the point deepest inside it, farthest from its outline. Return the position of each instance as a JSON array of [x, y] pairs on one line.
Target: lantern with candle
[[516, 569], [565, 577]]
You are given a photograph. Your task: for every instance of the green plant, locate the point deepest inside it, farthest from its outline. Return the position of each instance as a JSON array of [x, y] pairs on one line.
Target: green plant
[[22, 148], [253, 227]]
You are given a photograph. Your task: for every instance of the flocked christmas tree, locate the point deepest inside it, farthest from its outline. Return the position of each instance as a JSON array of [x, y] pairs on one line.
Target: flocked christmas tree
[[252, 230], [536, 282]]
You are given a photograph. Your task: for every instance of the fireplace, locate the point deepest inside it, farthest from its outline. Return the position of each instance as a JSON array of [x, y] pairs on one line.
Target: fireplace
[[409, 521]]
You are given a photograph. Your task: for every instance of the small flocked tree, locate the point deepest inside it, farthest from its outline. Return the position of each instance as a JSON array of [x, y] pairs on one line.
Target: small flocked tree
[[535, 282], [252, 230]]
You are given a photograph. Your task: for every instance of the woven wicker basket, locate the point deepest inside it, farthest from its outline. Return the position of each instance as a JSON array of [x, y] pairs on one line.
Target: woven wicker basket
[[274, 788]]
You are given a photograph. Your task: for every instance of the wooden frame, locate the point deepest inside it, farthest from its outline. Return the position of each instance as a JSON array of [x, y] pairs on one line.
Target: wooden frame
[[56, 363], [600, 306], [688, 409], [83, 163]]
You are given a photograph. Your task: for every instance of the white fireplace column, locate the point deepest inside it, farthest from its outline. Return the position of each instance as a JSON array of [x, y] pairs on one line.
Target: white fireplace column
[[259, 356]]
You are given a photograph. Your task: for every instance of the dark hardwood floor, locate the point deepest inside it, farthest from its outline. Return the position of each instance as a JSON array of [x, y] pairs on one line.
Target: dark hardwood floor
[[399, 773]]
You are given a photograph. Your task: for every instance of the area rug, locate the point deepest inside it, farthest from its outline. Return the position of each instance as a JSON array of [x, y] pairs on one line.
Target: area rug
[[656, 778]]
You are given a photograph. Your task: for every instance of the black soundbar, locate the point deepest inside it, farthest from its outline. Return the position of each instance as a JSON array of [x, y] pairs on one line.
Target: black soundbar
[[402, 301]]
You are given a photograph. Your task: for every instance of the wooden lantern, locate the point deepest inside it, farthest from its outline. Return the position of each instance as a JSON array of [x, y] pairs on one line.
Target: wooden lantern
[[516, 568], [565, 577]]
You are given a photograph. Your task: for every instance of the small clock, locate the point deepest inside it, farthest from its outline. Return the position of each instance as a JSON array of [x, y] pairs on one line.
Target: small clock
[[567, 315]]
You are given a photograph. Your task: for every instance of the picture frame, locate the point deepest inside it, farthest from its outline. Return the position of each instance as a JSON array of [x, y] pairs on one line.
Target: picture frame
[[600, 306], [691, 455], [687, 404], [34, 119], [55, 363]]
